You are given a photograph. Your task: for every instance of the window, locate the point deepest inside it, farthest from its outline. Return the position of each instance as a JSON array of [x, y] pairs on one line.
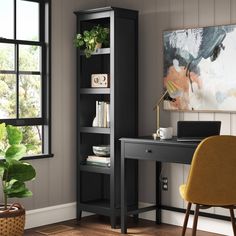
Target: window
[[24, 71]]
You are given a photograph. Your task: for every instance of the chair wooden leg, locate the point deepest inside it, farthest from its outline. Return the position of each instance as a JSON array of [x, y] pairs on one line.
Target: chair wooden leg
[[195, 220], [186, 218], [233, 220]]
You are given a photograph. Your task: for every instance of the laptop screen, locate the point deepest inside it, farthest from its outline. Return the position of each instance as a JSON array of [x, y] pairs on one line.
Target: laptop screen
[[197, 130]]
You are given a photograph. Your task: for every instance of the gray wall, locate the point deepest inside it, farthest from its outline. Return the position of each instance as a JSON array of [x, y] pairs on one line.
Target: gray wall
[[55, 183], [56, 177]]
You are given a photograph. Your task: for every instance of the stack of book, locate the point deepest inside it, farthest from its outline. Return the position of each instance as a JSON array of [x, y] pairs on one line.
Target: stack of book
[[102, 118], [99, 161]]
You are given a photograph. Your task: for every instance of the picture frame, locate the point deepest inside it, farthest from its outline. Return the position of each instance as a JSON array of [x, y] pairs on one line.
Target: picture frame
[[199, 63]]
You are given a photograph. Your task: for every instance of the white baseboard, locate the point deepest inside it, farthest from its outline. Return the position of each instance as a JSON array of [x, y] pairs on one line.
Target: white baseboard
[[176, 218], [59, 213], [50, 215]]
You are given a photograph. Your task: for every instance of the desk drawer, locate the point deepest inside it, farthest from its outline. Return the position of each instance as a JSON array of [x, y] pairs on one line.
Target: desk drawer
[[163, 153]]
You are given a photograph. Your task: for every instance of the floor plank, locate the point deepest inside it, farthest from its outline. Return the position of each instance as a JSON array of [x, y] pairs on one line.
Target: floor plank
[[99, 226]]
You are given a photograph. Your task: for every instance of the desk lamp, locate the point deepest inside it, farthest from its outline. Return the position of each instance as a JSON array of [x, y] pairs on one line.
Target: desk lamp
[[174, 91]]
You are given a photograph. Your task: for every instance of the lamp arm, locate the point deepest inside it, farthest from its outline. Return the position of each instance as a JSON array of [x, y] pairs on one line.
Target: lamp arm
[[160, 100], [162, 97], [158, 108]]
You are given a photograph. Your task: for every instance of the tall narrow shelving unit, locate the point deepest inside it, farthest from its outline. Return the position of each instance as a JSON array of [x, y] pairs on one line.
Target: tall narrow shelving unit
[[98, 188]]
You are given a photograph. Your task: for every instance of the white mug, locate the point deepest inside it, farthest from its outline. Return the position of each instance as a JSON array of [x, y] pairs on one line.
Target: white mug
[[165, 133]]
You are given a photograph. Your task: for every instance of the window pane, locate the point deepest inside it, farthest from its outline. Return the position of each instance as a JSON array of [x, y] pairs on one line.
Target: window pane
[[7, 96], [29, 96], [29, 58], [6, 19], [7, 58], [27, 27], [32, 138]]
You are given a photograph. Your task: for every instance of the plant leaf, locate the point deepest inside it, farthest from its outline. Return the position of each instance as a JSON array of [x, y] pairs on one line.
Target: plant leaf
[[25, 193], [15, 152], [14, 135], [79, 36], [2, 131], [21, 171], [15, 186], [86, 33]]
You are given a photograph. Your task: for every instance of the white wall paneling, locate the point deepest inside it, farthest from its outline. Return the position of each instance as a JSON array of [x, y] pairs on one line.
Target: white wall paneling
[[222, 16], [174, 173]]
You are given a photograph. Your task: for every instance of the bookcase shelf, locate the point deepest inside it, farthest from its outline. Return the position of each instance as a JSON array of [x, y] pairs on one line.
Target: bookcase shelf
[[98, 188], [95, 91], [95, 169], [95, 130], [99, 51], [102, 206]]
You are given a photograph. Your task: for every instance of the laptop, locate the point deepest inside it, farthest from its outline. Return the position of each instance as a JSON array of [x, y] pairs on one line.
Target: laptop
[[196, 131]]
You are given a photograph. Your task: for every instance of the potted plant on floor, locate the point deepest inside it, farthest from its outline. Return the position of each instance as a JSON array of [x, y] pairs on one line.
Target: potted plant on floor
[[14, 172], [92, 40]]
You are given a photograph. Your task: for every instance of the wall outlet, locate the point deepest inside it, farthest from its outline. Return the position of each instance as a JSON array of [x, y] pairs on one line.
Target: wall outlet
[[164, 183]]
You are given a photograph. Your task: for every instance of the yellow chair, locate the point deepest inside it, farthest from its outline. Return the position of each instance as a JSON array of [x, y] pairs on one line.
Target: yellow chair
[[212, 178]]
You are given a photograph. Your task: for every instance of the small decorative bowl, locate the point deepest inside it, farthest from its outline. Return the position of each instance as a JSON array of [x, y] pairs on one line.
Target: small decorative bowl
[[101, 150]]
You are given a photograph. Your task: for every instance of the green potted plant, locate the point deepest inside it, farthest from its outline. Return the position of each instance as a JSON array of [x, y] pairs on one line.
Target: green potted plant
[[14, 172], [92, 39]]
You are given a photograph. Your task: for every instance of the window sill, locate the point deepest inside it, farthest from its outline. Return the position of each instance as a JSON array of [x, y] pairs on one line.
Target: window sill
[[41, 156], [36, 157]]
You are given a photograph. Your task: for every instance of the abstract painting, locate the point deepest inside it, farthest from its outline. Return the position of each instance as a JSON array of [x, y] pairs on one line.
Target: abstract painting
[[200, 67]]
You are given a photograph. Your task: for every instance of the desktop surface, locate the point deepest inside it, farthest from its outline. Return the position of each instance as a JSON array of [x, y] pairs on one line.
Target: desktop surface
[[150, 139]]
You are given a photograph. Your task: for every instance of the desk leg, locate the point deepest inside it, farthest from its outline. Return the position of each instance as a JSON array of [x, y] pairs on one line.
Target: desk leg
[[158, 193], [79, 215], [123, 194], [113, 221]]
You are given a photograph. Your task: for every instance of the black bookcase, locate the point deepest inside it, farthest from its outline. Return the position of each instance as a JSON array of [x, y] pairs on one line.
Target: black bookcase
[[98, 188]]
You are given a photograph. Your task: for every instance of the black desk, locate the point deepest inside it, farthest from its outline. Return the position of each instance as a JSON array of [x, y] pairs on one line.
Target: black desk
[[160, 151]]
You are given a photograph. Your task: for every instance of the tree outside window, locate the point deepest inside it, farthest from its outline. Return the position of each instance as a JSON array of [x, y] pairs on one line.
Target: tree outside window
[[24, 80]]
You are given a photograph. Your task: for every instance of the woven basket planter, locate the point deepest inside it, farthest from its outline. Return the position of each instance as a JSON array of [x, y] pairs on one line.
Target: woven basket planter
[[12, 221]]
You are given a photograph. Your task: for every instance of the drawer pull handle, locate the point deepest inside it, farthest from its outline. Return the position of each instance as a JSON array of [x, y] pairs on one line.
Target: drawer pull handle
[[148, 151]]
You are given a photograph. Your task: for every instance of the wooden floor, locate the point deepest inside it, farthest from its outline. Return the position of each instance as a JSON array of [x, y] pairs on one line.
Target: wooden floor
[[99, 226]]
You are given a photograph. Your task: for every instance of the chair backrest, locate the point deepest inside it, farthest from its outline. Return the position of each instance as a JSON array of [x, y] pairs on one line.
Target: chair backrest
[[212, 176]]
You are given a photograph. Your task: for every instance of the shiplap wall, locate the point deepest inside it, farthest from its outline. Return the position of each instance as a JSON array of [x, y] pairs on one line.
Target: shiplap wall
[[156, 16]]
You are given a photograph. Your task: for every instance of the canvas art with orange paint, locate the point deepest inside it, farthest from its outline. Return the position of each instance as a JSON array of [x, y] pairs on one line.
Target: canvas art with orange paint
[[201, 63]]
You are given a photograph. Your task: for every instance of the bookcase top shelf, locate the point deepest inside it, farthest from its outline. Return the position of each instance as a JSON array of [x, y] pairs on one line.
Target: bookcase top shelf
[[104, 10], [95, 91]]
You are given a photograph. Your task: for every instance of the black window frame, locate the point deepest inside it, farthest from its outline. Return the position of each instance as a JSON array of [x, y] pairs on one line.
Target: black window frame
[[45, 43]]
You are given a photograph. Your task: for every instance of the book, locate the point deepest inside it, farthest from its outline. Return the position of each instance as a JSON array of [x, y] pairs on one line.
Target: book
[[102, 114], [102, 118], [94, 163], [99, 159], [95, 121], [107, 114], [99, 114]]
